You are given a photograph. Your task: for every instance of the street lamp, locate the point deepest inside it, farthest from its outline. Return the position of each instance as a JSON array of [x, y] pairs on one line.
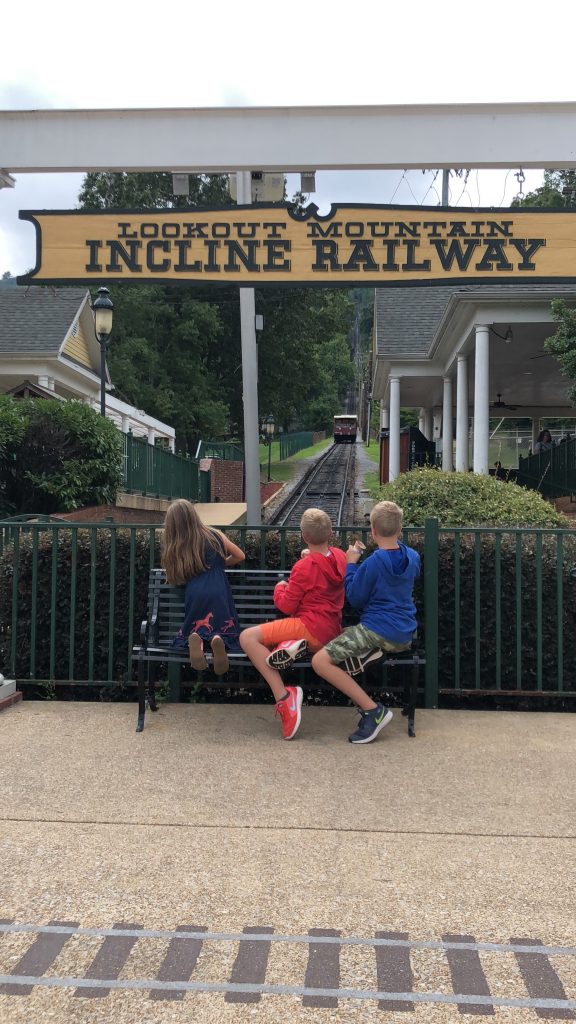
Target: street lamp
[[269, 428], [103, 308]]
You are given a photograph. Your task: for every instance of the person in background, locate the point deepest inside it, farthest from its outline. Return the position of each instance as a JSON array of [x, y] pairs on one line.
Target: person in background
[[543, 441]]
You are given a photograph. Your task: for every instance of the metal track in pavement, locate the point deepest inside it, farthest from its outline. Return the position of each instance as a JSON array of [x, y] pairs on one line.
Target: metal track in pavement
[[328, 484]]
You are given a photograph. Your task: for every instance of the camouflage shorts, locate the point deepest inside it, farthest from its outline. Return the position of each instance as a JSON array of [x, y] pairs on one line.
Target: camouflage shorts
[[357, 640]]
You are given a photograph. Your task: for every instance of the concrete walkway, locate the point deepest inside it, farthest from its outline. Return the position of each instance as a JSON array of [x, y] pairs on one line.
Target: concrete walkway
[[380, 882]]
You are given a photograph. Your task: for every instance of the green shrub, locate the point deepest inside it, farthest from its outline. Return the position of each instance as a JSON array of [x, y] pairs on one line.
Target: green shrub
[[56, 456], [467, 499]]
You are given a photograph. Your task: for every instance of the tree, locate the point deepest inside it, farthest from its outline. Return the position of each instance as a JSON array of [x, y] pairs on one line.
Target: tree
[[559, 189], [56, 456]]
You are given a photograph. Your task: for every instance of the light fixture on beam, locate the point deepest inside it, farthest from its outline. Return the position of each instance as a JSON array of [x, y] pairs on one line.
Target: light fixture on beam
[[508, 337], [180, 184], [307, 181]]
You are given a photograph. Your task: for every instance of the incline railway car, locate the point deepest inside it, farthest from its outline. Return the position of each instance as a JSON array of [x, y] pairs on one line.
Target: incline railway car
[[345, 429]]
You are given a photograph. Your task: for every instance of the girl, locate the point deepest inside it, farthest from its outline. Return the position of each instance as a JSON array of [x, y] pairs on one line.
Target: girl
[[195, 556]]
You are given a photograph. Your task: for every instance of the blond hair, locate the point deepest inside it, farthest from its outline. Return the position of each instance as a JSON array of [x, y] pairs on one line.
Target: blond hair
[[184, 542], [315, 526], [386, 518]]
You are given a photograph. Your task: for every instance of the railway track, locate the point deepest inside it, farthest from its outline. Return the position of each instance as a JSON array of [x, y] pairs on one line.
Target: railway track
[[397, 972], [328, 484]]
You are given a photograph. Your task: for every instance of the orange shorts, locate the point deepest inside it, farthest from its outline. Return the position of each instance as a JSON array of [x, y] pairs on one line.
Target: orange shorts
[[274, 633]]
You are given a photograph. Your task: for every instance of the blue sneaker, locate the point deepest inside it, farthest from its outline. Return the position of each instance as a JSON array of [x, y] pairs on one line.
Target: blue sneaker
[[370, 724]]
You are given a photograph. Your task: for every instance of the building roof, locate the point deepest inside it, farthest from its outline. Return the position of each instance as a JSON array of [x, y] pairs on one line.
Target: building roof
[[36, 320], [407, 319]]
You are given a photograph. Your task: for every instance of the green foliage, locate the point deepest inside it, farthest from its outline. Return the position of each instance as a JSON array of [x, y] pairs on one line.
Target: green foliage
[[562, 344], [467, 499], [56, 456], [551, 192], [93, 562]]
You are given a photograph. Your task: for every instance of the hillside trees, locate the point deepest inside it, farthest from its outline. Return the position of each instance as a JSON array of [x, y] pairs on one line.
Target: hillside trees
[[176, 350]]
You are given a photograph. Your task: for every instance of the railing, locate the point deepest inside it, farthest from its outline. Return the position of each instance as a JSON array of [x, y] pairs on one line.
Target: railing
[[496, 607], [229, 450], [551, 472], [292, 443], [158, 473]]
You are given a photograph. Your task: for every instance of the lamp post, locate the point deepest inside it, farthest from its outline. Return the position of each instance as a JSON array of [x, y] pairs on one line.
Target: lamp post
[[103, 308], [269, 428]]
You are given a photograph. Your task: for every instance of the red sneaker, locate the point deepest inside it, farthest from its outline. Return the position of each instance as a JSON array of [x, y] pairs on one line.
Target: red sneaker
[[289, 710]]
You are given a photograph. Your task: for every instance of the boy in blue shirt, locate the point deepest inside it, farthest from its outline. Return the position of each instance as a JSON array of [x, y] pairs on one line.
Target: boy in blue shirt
[[381, 589]]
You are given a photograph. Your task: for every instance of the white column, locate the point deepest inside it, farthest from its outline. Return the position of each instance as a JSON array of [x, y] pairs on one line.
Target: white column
[[462, 428], [535, 432], [394, 442], [421, 421], [481, 399], [384, 417], [428, 430], [150, 435], [447, 425], [125, 424]]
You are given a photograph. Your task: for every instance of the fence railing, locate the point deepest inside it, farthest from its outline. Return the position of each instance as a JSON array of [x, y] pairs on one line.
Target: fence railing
[[551, 472], [290, 444], [496, 607], [158, 473], [229, 450]]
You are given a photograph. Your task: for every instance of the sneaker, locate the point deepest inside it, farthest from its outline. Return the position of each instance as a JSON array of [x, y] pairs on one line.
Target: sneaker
[[370, 724], [289, 710], [196, 649], [287, 651], [220, 662], [356, 664]]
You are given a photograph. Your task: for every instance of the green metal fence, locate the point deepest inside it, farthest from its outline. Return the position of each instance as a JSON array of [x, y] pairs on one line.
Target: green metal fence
[[292, 443], [496, 608], [552, 472], [228, 450], [156, 472]]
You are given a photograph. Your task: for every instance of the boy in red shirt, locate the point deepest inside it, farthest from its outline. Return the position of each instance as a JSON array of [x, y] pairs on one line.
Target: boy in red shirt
[[312, 597]]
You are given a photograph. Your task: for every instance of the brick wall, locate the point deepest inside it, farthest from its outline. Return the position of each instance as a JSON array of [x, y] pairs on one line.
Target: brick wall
[[226, 480]]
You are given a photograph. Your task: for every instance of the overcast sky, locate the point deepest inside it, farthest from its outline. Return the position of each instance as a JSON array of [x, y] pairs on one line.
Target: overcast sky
[[183, 54]]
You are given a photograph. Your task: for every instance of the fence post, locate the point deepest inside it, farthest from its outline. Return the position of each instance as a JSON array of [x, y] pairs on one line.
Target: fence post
[[431, 612]]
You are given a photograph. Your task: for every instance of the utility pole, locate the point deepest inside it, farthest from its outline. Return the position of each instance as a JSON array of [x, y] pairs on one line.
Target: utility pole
[[445, 186], [249, 378]]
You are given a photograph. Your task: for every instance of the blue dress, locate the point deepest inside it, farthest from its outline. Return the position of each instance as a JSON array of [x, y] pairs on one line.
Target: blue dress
[[209, 606]]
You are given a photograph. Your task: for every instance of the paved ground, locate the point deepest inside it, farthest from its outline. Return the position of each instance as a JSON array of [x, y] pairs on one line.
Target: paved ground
[[206, 870]]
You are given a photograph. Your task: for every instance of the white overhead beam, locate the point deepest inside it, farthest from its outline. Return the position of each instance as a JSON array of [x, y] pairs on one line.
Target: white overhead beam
[[290, 138]]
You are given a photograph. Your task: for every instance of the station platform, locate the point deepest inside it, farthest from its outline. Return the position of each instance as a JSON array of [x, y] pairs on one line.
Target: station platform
[[205, 869], [222, 513]]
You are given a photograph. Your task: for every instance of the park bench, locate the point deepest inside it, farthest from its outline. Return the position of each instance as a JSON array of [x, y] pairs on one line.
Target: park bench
[[253, 595]]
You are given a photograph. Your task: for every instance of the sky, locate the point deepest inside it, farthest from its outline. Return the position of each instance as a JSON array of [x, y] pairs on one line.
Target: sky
[[66, 55]]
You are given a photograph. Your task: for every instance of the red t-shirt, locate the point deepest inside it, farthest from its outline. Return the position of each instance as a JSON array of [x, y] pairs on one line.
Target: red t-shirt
[[315, 593]]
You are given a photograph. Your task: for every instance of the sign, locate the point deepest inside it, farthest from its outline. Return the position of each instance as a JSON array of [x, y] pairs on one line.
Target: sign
[[272, 245]]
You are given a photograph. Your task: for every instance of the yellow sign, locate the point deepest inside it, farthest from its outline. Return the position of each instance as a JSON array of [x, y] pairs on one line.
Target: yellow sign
[[262, 245]]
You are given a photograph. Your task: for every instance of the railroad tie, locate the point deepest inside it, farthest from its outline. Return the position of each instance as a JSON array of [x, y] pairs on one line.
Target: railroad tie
[[468, 978], [178, 964], [38, 957]]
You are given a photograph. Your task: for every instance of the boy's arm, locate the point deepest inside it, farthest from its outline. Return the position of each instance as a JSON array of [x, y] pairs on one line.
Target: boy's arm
[[288, 596], [359, 582]]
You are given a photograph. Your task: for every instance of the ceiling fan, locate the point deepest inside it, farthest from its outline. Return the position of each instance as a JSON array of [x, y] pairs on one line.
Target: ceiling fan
[[499, 404]]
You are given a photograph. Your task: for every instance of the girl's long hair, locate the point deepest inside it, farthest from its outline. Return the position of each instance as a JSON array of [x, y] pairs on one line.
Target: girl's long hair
[[184, 542]]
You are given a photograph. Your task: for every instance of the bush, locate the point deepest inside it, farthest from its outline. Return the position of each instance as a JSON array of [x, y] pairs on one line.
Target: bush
[[467, 499], [93, 550], [57, 456]]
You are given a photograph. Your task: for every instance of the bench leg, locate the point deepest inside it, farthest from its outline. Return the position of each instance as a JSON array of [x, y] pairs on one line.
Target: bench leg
[[413, 674], [141, 695], [152, 673]]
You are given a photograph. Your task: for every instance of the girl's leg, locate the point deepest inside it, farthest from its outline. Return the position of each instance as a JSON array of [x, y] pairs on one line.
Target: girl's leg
[[251, 644], [327, 670]]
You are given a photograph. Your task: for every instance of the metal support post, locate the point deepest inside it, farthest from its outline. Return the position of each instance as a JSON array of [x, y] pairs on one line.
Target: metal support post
[[249, 379]]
